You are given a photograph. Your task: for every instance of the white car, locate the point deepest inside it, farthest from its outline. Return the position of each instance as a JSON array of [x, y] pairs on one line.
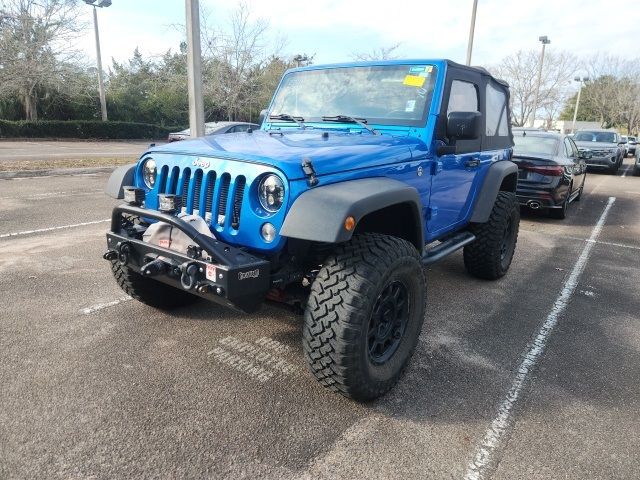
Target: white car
[[214, 128]]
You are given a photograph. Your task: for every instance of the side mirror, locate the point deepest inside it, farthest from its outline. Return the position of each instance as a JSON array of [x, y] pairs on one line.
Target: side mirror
[[263, 113], [463, 125]]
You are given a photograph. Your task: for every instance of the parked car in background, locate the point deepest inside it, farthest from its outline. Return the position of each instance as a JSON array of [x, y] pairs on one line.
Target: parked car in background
[[631, 145], [214, 128], [605, 146], [551, 171], [624, 143], [636, 165]]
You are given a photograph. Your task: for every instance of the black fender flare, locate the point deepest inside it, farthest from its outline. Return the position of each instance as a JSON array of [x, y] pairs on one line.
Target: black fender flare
[[492, 184], [319, 214], [120, 177]]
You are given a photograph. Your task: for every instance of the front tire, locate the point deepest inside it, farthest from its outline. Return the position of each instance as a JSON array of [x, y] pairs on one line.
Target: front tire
[[364, 315], [148, 290], [490, 255]]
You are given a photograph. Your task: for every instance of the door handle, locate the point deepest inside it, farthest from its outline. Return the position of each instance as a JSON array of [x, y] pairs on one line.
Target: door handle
[[474, 162]]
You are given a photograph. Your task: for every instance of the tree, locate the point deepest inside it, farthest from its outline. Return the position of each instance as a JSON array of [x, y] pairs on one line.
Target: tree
[[36, 38], [232, 70], [383, 53], [611, 96], [520, 70], [150, 91]]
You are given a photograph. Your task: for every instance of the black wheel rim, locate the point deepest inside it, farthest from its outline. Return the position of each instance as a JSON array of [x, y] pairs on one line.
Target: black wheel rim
[[388, 322], [507, 240]]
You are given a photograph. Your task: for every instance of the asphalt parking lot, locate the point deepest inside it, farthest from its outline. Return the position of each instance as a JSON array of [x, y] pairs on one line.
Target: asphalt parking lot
[[15, 150], [534, 376]]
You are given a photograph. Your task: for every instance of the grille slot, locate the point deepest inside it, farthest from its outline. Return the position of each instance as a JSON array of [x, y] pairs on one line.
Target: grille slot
[[225, 181], [237, 202], [184, 188], [173, 183], [162, 184], [208, 196], [197, 186]]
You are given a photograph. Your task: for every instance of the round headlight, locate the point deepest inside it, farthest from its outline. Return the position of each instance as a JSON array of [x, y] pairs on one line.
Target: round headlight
[[149, 172], [271, 193]]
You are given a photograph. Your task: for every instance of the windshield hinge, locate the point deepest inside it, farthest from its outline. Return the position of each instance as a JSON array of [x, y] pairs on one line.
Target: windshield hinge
[[310, 172]]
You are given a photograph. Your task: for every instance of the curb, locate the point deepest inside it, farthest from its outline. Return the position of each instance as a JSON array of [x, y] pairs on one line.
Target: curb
[[54, 172]]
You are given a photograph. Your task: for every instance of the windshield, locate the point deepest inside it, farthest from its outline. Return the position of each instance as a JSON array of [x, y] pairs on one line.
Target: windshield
[[531, 145], [604, 137], [388, 94]]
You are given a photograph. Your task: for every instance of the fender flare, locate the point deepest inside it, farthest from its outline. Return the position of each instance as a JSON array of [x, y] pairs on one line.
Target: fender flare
[[120, 177], [492, 184], [319, 214]]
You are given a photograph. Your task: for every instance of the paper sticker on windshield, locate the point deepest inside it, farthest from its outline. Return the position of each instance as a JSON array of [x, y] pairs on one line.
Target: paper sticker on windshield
[[410, 106], [414, 81], [417, 69]]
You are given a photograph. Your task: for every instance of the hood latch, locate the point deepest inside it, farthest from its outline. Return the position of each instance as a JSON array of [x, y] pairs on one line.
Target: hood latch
[[310, 172]]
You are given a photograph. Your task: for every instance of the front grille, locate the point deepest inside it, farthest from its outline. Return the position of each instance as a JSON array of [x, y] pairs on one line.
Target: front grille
[[601, 153], [207, 193]]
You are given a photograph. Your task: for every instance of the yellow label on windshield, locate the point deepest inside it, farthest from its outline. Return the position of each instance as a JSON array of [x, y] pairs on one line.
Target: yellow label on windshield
[[414, 80]]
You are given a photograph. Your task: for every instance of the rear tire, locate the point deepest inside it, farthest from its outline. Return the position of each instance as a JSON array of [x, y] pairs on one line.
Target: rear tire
[[364, 315], [579, 196], [490, 255], [148, 290], [561, 213]]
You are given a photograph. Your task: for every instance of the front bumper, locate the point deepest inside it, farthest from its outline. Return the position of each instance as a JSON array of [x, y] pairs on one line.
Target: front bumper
[[602, 162], [211, 269]]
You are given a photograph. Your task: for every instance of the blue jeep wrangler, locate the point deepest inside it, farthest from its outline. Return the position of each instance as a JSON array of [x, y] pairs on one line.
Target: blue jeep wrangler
[[360, 175]]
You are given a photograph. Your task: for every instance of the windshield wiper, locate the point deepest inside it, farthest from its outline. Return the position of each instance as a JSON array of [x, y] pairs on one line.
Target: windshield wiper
[[289, 118], [347, 119]]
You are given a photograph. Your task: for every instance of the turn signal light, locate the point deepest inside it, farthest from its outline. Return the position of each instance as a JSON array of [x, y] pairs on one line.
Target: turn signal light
[[349, 223]]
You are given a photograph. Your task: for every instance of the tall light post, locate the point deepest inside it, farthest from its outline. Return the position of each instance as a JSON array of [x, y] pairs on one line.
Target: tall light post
[[99, 4], [545, 41], [575, 112], [471, 31], [194, 69]]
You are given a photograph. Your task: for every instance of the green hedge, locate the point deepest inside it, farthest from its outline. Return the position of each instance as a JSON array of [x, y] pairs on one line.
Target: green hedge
[[83, 129]]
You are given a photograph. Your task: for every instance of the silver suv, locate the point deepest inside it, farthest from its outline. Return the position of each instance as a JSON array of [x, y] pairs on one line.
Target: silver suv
[[605, 145]]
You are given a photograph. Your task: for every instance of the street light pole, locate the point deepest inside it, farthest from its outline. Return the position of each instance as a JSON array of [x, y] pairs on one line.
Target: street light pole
[[545, 41], [194, 69], [103, 100], [471, 31], [575, 112]]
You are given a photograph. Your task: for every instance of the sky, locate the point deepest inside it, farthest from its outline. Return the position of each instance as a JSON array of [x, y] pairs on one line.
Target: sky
[[334, 30]]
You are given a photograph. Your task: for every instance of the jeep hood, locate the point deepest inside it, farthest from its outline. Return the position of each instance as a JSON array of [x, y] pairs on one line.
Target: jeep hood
[[329, 152]]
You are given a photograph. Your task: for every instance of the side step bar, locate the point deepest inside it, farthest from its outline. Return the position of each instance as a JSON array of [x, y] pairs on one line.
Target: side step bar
[[447, 247]]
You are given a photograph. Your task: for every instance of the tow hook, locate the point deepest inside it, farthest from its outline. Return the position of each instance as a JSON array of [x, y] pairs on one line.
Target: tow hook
[[188, 277], [153, 268], [110, 255], [124, 253]]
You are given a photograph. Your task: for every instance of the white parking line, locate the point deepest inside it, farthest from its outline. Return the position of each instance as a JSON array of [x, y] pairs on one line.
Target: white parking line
[[50, 229], [101, 306], [488, 451], [624, 174]]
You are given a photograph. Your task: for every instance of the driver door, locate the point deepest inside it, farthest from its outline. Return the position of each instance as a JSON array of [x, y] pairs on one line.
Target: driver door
[[454, 173]]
